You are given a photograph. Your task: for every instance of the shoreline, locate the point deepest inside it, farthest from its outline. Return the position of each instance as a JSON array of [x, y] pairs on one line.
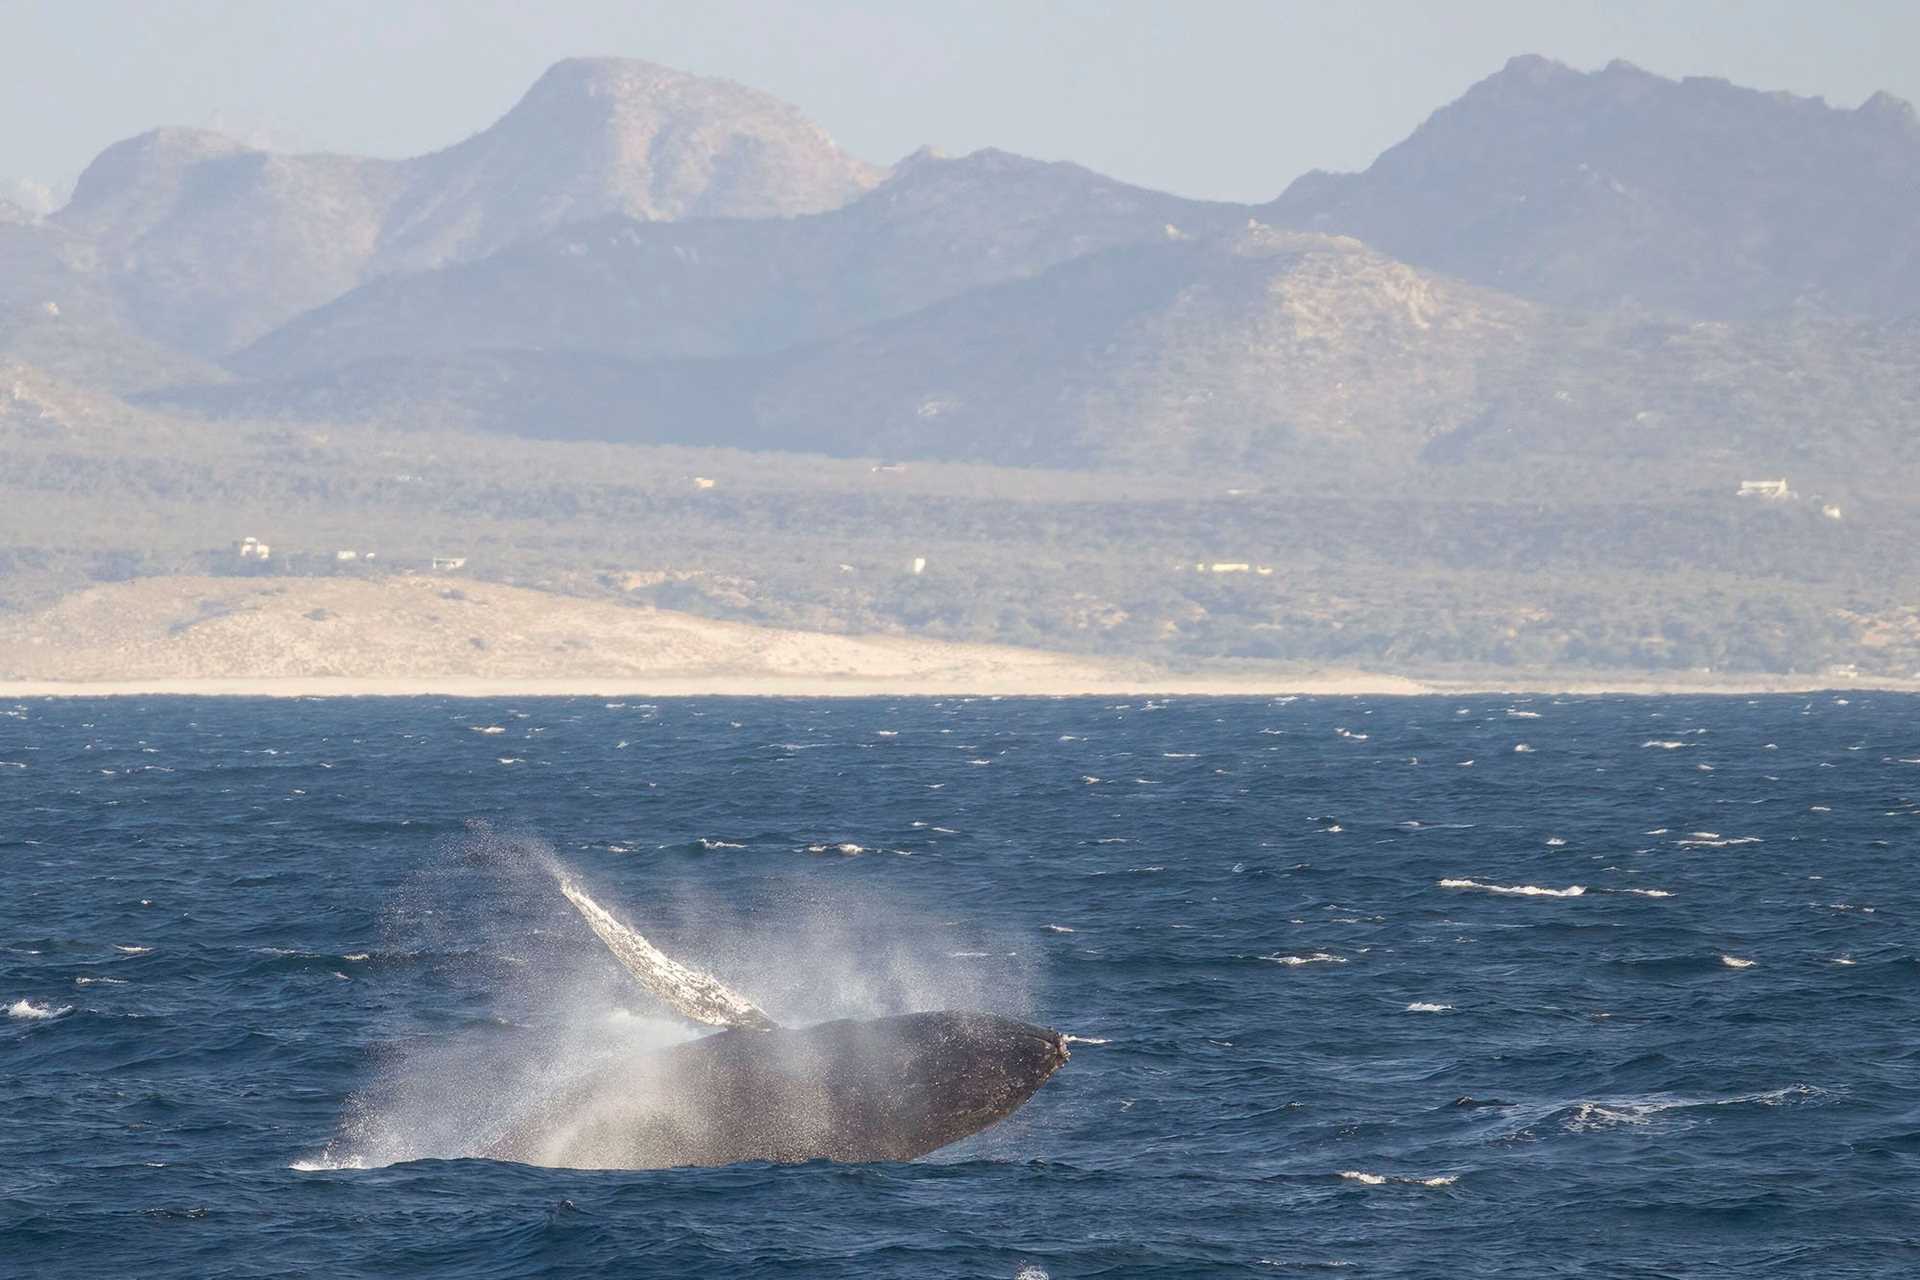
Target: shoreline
[[1345, 684]]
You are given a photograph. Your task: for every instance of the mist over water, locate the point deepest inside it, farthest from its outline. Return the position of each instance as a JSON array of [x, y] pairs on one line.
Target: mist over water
[[277, 974]]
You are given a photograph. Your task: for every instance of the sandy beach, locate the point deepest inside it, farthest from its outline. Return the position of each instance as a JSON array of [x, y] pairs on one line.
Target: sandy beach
[[425, 636]]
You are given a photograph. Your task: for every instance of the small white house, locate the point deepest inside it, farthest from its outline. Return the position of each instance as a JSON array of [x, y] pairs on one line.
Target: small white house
[[703, 482], [919, 564], [1765, 489], [444, 563], [253, 549], [344, 555]]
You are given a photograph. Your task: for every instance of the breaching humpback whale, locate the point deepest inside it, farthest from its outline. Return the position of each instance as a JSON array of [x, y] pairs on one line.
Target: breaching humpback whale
[[889, 1088]]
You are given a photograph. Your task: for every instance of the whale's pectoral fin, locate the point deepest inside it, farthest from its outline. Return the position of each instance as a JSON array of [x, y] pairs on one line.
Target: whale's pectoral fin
[[698, 996]]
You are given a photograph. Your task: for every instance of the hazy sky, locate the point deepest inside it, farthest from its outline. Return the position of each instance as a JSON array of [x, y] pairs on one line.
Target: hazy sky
[[1228, 98]]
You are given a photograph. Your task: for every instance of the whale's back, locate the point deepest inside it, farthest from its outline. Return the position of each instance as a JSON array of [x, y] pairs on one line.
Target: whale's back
[[853, 1090]]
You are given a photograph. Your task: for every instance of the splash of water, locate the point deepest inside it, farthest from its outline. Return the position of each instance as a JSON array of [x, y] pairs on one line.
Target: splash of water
[[553, 1040]]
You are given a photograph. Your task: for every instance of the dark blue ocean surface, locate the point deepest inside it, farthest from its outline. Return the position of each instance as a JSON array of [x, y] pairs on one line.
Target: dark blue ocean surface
[[1420, 987]]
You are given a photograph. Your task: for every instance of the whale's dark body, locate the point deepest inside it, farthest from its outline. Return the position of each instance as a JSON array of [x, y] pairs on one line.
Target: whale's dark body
[[854, 1090]]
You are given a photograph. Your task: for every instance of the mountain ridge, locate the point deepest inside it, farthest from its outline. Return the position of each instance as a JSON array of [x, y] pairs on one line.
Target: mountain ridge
[[711, 287], [1594, 189], [218, 242]]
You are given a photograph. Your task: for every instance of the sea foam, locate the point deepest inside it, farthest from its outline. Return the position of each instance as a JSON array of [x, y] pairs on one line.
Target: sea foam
[[27, 1009], [1516, 890]]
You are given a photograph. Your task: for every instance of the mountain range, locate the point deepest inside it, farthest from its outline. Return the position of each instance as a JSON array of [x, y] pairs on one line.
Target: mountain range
[[1599, 282], [213, 243]]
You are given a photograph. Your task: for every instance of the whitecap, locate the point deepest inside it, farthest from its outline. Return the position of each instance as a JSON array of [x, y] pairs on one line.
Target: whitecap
[[1522, 715], [1555, 842], [1665, 744], [1318, 957], [36, 1012], [1422, 1006], [1591, 1115], [1057, 928], [1518, 890], [104, 982], [486, 728], [1735, 962], [1649, 893], [1369, 1179], [1522, 748], [1085, 1040], [355, 956], [132, 951], [705, 843]]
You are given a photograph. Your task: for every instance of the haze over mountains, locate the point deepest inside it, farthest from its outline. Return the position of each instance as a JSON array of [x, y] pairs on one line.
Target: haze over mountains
[[1565, 288], [217, 243]]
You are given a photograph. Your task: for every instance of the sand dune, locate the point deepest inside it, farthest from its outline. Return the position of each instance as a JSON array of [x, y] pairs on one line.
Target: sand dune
[[410, 635], [420, 634]]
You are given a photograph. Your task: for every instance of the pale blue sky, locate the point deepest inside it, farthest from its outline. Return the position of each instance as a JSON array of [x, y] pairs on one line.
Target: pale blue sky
[[1228, 98]]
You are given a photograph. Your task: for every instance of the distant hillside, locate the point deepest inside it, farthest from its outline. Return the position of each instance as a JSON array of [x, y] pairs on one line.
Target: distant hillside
[[58, 311], [617, 286], [1620, 186], [435, 628], [1259, 352], [214, 243], [653, 340]]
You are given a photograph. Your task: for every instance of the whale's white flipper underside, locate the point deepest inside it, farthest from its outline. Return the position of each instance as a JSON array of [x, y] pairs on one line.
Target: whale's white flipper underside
[[690, 993]]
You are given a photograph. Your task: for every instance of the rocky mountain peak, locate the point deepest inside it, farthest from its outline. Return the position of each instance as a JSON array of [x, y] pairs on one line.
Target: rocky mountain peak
[[217, 243], [1595, 188]]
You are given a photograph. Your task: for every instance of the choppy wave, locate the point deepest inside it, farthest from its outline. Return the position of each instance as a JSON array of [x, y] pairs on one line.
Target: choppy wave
[[1382, 1179], [1275, 1005], [1516, 890], [32, 1012]]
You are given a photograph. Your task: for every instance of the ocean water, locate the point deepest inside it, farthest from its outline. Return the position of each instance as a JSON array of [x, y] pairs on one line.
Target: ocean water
[[1369, 987]]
